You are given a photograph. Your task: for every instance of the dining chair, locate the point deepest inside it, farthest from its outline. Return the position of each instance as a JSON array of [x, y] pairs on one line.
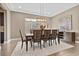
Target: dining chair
[[46, 37], [22, 38], [37, 38], [60, 36], [53, 36]]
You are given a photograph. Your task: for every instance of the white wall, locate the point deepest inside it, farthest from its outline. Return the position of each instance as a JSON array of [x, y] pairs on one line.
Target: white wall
[[75, 19], [18, 22], [8, 26]]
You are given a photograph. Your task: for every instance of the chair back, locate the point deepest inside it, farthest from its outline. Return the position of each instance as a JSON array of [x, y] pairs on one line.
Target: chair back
[[61, 35], [47, 33], [54, 34], [37, 35], [21, 35]]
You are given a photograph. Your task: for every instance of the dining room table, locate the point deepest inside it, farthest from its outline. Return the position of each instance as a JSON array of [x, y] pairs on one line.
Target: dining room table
[[29, 37]]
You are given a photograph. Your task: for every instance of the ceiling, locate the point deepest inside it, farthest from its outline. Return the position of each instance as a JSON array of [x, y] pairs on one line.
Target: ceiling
[[42, 9]]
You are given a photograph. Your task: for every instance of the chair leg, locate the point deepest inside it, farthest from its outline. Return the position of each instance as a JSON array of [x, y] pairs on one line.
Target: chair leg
[[40, 45], [51, 42], [31, 43], [44, 44], [58, 40], [33, 46], [55, 42], [22, 45]]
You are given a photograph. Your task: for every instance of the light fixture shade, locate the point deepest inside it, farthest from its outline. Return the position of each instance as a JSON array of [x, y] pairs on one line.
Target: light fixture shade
[[34, 20]]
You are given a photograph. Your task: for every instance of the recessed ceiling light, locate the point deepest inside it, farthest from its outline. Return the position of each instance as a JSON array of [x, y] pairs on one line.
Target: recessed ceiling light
[[20, 7]]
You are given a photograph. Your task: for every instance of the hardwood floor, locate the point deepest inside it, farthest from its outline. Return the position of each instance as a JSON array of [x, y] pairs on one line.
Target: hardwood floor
[[0, 50], [7, 49], [74, 51], [69, 52]]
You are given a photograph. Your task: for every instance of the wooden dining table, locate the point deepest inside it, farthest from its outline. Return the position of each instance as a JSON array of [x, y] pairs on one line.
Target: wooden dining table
[[28, 38]]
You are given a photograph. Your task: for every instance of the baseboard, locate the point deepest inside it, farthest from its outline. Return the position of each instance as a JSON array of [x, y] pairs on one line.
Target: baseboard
[[8, 41], [15, 39]]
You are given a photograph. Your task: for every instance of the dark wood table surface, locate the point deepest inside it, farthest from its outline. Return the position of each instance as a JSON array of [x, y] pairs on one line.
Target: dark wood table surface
[[31, 35]]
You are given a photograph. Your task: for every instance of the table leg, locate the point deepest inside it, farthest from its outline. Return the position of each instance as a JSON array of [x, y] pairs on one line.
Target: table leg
[[26, 46], [58, 41]]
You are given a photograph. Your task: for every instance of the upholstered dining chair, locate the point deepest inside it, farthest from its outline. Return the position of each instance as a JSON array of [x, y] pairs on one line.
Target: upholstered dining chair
[[22, 38], [53, 36], [46, 37], [37, 37], [60, 36]]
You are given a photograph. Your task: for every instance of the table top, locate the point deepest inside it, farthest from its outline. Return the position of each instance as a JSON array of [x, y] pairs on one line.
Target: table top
[[29, 34]]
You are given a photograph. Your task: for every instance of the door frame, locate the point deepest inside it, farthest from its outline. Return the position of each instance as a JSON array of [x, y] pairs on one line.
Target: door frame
[[5, 25]]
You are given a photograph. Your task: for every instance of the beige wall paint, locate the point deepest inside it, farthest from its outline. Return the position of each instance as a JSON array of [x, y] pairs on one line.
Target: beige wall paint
[[8, 25], [75, 19], [15, 20], [18, 22]]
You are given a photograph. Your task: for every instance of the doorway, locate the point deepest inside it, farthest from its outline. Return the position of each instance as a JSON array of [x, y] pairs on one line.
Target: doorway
[[1, 27]]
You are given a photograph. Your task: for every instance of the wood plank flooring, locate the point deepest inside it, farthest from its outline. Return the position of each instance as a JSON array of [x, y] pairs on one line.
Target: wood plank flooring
[[7, 49]]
